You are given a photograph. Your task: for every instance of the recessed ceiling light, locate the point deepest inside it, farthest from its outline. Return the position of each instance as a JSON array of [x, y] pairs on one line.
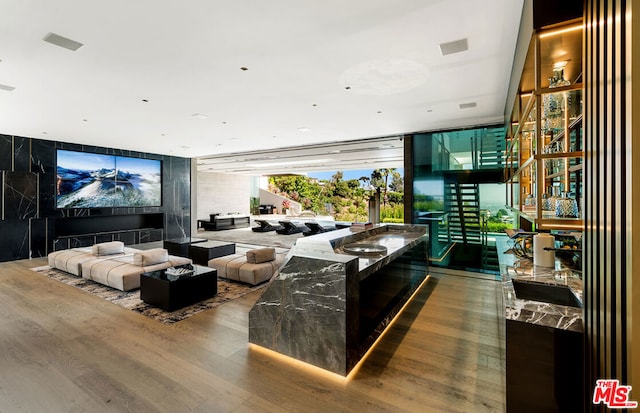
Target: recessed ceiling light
[[44, 132], [184, 147], [84, 120], [200, 116], [244, 69], [304, 129], [455, 46], [429, 110], [145, 100], [224, 122], [6, 87], [234, 139], [379, 111], [348, 87], [62, 42], [467, 105]]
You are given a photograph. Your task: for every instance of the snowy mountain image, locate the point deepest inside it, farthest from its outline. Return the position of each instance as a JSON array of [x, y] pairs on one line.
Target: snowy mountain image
[[81, 187]]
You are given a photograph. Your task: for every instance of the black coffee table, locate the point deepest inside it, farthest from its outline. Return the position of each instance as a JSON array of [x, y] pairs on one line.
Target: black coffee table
[[202, 252], [180, 246], [171, 292]]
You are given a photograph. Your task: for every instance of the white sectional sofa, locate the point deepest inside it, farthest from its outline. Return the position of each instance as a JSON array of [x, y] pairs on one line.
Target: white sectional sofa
[[112, 264]]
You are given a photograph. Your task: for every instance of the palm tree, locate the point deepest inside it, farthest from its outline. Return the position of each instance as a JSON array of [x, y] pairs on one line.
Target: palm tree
[[385, 172]]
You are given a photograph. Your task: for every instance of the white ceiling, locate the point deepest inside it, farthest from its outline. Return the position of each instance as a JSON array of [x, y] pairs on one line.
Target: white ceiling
[[185, 58]]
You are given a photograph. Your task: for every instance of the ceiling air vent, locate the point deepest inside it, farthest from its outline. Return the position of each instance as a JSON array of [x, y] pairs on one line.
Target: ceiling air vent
[[6, 87], [62, 41], [456, 46], [467, 105]]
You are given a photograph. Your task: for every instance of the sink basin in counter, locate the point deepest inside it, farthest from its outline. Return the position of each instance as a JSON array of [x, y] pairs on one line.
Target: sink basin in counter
[[547, 293]]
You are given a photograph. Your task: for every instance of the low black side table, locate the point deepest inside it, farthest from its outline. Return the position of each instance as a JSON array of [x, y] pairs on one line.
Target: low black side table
[[172, 292], [180, 246], [202, 252]]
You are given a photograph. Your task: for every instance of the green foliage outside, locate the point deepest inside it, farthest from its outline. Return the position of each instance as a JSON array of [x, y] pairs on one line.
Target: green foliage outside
[[497, 226], [496, 223], [345, 200]]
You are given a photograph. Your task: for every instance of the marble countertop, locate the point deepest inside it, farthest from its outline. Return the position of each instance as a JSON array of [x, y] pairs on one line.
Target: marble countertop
[[396, 243], [538, 312], [397, 239]]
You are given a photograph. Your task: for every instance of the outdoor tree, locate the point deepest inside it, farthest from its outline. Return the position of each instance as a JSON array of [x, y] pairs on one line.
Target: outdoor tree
[[397, 182]]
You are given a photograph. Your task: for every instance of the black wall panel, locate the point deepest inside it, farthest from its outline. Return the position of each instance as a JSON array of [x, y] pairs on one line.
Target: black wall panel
[[6, 151], [14, 242], [21, 154], [39, 231], [20, 191], [32, 226]]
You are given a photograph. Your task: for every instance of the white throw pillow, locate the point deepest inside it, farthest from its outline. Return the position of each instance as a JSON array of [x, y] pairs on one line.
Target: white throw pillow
[[151, 257], [108, 248]]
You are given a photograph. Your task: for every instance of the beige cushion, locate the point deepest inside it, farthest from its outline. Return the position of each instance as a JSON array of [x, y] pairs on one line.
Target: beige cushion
[[235, 267], [260, 255], [150, 257], [108, 248]]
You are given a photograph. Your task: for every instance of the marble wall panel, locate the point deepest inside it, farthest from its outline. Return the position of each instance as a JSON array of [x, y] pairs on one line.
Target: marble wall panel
[[176, 196], [61, 244], [43, 162], [104, 238], [129, 238], [150, 235], [21, 154], [20, 195], [82, 241], [6, 152]]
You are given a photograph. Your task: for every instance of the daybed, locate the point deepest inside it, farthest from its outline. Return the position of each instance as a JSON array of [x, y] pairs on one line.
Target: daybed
[[254, 267], [112, 264]]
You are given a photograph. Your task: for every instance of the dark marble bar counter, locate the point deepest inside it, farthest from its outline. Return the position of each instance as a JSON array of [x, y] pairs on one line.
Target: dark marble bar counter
[[543, 341], [538, 312], [327, 306]]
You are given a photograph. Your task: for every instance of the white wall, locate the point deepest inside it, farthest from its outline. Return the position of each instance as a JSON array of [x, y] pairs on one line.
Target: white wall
[[269, 198], [222, 193]]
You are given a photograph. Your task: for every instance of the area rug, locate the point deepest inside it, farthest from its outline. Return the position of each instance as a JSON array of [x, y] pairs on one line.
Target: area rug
[[227, 291]]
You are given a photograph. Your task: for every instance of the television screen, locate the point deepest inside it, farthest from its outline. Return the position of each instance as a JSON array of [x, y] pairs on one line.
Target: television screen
[[89, 180]]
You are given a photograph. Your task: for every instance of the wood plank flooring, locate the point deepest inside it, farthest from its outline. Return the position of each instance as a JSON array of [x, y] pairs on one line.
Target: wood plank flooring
[[64, 350]]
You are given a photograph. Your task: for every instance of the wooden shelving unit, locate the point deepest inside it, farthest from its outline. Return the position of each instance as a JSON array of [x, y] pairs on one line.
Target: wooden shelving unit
[[545, 139]]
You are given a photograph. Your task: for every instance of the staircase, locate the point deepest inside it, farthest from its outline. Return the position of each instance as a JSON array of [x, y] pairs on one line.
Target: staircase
[[462, 202], [491, 151], [489, 250]]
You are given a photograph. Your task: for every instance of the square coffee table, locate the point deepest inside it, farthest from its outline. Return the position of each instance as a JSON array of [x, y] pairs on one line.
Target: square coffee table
[[202, 252], [171, 292], [180, 246]]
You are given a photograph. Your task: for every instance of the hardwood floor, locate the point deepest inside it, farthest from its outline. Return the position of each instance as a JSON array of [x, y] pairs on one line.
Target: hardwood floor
[[64, 350]]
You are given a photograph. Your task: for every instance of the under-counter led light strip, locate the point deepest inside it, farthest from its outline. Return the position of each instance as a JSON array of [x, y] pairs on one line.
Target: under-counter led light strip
[[329, 374]]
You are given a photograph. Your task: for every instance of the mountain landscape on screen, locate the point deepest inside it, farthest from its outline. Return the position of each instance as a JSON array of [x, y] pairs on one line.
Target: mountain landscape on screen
[[92, 180]]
